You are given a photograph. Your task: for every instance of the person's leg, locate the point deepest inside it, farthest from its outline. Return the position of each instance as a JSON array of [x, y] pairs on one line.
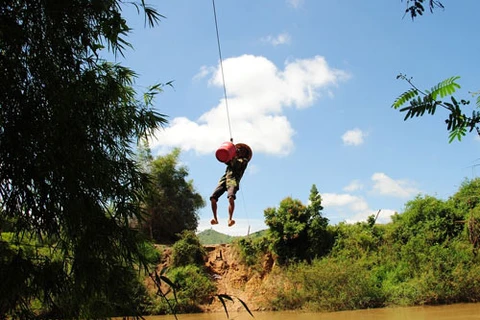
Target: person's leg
[[231, 208], [231, 191], [213, 202], [217, 193]]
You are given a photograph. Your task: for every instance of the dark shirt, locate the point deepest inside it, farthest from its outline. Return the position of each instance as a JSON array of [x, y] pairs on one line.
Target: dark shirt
[[234, 172]]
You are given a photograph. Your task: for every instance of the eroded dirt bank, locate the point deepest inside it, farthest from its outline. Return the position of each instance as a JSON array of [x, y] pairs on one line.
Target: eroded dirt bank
[[236, 279], [233, 278]]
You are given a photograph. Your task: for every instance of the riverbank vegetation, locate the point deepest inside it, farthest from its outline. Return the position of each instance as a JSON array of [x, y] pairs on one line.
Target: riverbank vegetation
[[426, 255], [186, 284]]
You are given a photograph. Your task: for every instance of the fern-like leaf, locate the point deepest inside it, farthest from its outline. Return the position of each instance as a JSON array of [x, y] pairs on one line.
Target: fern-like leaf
[[458, 133], [444, 88], [419, 106], [405, 97], [245, 306]]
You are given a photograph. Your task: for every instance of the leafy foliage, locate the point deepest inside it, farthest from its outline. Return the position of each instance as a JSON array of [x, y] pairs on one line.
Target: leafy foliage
[[193, 286], [287, 229], [187, 283], [320, 240], [416, 7], [424, 256], [298, 232], [434, 220], [171, 201], [68, 178], [328, 285], [467, 202], [252, 249], [29, 263], [356, 241], [188, 250], [419, 102]]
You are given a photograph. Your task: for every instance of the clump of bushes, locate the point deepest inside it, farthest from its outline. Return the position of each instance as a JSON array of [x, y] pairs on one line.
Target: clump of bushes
[[189, 284], [325, 285], [252, 250], [188, 251]]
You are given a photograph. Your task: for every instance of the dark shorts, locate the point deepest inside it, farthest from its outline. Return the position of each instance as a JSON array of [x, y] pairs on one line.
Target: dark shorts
[[221, 188]]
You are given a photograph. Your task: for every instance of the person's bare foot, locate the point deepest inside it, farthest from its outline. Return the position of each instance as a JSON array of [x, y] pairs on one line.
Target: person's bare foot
[[214, 221], [231, 223]]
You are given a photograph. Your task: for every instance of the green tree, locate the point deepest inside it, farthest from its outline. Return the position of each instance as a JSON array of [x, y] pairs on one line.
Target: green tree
[[320, 240], [467, 203], [287, 229], [467, 196], [68, 178], [171, 201], [298, 232]]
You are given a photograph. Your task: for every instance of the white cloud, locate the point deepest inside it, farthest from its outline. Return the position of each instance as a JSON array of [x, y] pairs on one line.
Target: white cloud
[[352, 209], [340, 200], [203, 72], [283, 38], [385, 185], [295, 3], [355, 185], [258, 94], [353, 137], [383, 217]]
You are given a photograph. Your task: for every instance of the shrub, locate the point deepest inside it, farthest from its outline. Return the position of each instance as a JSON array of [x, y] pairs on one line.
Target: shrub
[[251, 250], [192, 287], [188, 250], [328, 285]]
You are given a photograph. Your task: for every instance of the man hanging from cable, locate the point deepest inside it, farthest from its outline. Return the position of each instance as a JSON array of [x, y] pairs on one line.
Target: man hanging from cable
[[230, 181]]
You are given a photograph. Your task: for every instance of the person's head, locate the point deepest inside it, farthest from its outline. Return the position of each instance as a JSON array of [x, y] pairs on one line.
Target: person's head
[[243, 151]]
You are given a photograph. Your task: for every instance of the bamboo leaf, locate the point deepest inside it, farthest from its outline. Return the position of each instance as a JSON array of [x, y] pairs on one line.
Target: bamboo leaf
[[246, 307], [225, 296], [168, 281], [157, 279], [163, 271], [221, 297]]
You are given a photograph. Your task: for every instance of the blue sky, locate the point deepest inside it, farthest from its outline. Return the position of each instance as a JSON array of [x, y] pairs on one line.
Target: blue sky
[[309, 85]]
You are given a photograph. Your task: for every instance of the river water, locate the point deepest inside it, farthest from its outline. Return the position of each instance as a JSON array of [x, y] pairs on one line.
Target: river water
[[448, 312]]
